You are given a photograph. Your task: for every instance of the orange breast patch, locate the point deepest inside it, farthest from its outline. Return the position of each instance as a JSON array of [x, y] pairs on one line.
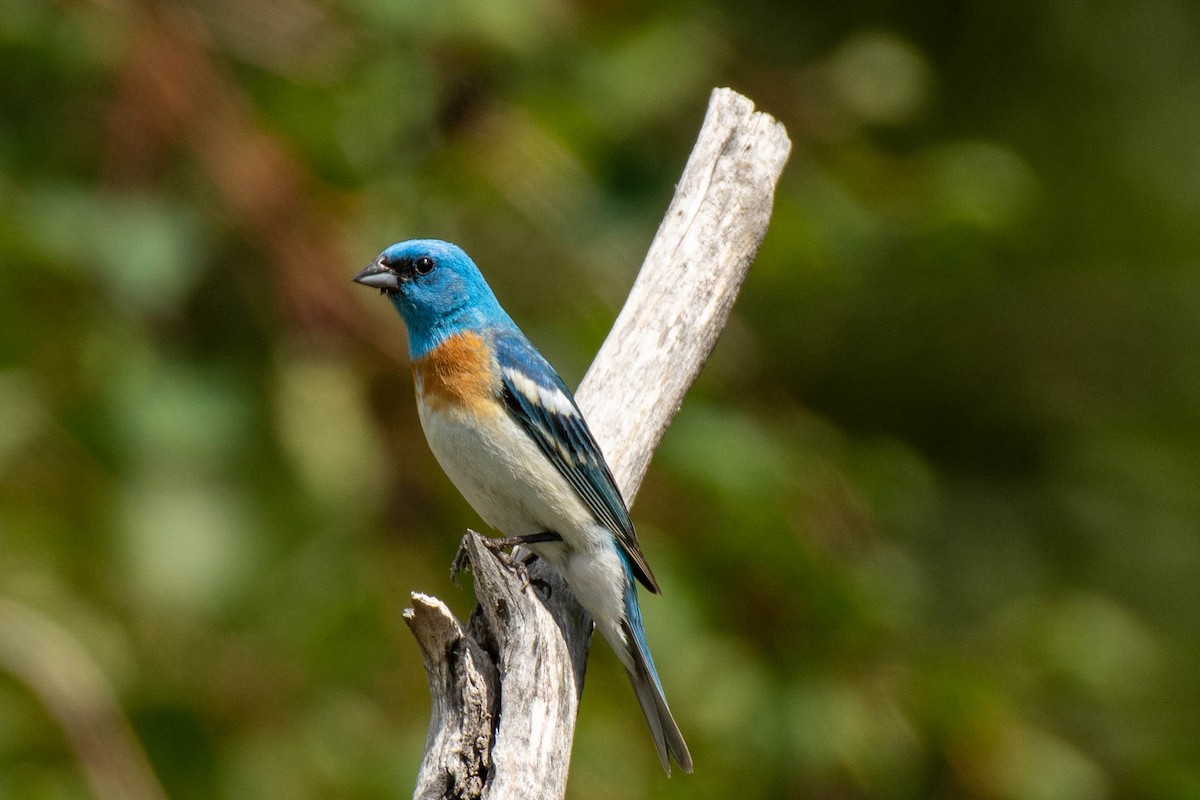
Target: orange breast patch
[[458, 373]]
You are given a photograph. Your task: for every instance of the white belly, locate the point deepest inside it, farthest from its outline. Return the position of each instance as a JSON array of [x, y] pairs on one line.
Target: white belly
[[510, 484], [502, 474]]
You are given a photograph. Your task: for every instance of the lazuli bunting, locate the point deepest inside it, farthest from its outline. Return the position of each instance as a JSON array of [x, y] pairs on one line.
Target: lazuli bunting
[[509, 435]]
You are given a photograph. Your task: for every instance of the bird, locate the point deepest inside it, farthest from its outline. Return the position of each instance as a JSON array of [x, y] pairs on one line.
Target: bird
[[508, 433]]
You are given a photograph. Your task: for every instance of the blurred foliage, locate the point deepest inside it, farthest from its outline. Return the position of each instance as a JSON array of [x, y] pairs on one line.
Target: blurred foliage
[[928, 524]]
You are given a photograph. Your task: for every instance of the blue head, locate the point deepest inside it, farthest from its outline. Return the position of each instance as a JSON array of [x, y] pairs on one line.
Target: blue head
[[438, 290]]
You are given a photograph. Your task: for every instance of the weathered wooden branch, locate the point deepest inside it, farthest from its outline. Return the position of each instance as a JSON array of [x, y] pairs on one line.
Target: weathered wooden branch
[[506, 686]]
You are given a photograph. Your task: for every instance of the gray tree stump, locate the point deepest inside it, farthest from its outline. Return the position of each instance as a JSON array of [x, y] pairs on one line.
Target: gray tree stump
[[505, 687]]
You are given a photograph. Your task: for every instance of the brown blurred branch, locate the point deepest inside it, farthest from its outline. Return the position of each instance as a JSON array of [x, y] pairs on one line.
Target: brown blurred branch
[[172, 90], [60, 673]]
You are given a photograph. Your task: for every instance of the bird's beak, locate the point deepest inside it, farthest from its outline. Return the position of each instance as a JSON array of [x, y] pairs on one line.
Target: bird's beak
[[377, 276]]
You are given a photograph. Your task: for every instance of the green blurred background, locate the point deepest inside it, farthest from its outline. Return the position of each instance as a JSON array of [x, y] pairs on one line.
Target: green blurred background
[[927, 525]]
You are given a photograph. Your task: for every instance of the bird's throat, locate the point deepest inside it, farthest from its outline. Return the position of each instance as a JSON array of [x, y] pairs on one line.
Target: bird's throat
[[458, 374]]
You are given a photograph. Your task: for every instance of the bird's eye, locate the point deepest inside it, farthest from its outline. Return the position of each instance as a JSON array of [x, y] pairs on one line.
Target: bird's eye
[[423, 265]]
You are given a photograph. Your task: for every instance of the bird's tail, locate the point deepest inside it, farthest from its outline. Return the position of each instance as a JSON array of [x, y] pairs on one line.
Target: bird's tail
[[667, 738]]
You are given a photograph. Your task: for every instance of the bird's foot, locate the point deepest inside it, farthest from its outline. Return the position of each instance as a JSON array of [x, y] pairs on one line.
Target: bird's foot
[[497, 546], [462, 561]]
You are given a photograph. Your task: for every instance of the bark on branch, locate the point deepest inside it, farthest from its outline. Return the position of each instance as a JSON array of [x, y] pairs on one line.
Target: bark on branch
[[505, 687]]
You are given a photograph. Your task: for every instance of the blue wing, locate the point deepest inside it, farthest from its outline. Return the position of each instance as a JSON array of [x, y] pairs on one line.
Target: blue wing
[[539, 400]]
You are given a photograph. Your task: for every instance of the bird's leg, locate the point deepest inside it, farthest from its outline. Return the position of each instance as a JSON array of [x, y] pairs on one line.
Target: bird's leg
[[497, 546], [521, 567], [512, 541]]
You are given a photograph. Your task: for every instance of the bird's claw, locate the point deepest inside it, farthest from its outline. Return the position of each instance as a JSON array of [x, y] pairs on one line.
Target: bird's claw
[[497, 547], [461, 562], [519, 566]]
